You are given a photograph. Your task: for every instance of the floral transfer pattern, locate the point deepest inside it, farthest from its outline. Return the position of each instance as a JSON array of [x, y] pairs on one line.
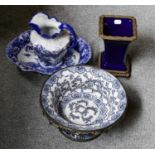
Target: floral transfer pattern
[[21, 52], [88, 98]]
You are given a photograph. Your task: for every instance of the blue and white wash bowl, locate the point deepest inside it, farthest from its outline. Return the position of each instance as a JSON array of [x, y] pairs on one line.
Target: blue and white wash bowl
[[50, 45], [82, 101]]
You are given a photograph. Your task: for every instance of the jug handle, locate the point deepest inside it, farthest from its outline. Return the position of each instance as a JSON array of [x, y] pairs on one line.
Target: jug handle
[[73, 35]]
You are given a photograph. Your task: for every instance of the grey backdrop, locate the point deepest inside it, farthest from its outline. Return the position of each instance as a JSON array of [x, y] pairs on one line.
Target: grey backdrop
[[22, 124]]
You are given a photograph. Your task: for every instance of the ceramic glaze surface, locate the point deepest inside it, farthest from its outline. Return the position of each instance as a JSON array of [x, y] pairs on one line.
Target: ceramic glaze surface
[[53, 45], [21, 52], [118, 26], [80, 110], [117, 32], [41, 21], [114, 56], [52, 36], [48, 47], [83, 98]]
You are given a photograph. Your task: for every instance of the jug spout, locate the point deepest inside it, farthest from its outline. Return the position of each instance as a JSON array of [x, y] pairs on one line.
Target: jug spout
[[47, 27], [50, 28]]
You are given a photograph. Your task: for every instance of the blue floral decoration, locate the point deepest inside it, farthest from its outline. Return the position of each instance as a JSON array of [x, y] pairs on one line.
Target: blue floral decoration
[[98, 101], [14, 48]]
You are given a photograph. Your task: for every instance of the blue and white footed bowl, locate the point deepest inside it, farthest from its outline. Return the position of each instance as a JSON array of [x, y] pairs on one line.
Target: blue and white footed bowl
[[21, 52], [82, 101]]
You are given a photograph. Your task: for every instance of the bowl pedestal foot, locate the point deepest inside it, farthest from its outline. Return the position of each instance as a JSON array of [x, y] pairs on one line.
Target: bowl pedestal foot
[[81, 137]]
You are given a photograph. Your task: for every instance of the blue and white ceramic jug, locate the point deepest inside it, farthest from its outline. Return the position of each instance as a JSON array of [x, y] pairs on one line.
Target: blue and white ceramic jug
[[48, 46], [50, 38]]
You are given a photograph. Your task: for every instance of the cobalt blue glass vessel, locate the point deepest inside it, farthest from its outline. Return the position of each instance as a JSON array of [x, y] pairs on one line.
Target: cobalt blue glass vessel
[[117, 32]]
